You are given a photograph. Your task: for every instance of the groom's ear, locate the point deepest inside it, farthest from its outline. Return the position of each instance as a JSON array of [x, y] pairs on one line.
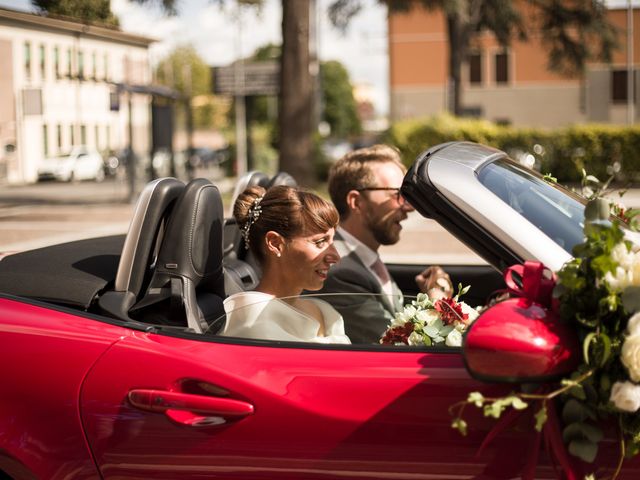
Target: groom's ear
[[274, 243], [353, 200]]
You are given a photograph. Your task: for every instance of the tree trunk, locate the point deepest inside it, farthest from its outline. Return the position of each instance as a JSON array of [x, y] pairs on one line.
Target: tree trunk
[[295, 119], [456, 57]]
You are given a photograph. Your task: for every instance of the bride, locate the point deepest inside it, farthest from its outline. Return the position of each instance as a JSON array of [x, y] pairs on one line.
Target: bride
[[290, 232]]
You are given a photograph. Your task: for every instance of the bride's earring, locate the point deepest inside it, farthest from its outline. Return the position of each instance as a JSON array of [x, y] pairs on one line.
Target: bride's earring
[[278, 254]]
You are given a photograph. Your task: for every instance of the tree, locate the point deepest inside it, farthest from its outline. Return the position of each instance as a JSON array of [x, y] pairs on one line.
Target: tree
[[295, 108], [185, 71], [88, 11], [340, 110], [574, 31]]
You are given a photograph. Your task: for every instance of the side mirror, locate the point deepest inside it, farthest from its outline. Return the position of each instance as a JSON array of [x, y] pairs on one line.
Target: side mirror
[[520, 341]]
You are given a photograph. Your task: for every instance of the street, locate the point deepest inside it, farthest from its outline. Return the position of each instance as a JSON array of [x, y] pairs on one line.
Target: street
[[41, 214]]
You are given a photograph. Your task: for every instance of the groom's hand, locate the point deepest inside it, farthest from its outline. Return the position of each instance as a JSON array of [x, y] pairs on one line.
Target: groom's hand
[[435, 282]]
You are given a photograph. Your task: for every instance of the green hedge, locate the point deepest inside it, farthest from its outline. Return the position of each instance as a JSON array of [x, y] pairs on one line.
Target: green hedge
[[562, 152]]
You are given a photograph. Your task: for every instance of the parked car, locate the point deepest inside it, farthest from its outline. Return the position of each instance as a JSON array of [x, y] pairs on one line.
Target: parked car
[[113, 369], [82, 163]]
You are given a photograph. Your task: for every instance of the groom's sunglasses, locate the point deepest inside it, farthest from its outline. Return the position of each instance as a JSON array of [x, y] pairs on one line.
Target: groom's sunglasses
[[398, 196]]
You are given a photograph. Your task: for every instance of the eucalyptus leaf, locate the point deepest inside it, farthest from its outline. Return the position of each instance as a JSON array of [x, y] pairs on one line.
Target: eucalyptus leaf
[[431, 331], [575, 411], [584, 450], [596, 209], [460, 425], [585, 346], [446, 330], [631, 299]]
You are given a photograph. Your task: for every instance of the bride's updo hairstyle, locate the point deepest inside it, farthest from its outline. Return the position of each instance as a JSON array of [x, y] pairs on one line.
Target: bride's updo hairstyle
[[286, 210]]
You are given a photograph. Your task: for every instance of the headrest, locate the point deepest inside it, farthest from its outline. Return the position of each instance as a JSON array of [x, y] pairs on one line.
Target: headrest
[[282, 178], [138, 253], [192, 245]]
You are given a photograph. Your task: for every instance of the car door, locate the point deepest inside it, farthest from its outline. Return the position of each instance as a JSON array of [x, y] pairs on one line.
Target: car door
[[158, 406]]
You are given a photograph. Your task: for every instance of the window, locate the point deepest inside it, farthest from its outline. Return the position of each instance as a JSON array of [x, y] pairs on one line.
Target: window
[[502, 68], [96, 139], [59, 137], [475, 68], [69, 63], [43, 63], [27, 60], [94, 65], [619, 86], [45, 140], [108, 135], [83, 134], [72, 136], [80, 64], [106, 67], [56, 61]]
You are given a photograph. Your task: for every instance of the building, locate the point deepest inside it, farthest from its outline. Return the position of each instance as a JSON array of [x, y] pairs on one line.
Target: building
[[63, 84], [512, 85]]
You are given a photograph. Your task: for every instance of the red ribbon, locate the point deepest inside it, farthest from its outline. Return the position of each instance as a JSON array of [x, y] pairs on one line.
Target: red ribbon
[[537, 286], [525, 466]]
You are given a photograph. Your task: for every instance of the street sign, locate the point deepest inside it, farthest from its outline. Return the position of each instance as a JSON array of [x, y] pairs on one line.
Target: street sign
[[255, 78]]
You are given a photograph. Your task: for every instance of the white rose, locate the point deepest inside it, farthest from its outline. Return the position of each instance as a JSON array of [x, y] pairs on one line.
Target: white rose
[[618, 281], [454, 339], [415, 339], [472, 312], [404, 316], [625, 396], [427, 317], [633, 327], [631, 356], [621, 255]]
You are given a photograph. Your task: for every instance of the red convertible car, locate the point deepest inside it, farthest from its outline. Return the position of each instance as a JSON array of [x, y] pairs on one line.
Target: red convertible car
[[112, 368]]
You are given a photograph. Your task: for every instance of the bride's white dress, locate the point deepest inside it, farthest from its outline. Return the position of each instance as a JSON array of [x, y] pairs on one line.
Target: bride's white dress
[[262, 316]]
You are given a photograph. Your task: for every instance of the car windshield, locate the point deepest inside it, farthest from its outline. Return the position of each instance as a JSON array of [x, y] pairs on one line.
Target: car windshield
[[554, 210]]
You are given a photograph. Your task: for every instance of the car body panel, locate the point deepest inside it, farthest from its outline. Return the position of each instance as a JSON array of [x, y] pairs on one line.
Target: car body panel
[[45, 355]]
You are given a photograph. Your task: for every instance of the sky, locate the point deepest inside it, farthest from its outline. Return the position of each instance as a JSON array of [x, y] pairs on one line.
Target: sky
[[219, 34]]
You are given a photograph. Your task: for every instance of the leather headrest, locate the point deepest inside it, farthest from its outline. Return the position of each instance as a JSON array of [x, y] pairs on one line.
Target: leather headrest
[[192, 245]]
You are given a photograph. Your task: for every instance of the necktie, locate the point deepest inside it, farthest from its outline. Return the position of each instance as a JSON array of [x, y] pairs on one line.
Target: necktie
[[381, 271]]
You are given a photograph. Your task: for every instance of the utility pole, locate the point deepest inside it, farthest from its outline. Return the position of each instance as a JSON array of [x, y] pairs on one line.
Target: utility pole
[[240, 107]]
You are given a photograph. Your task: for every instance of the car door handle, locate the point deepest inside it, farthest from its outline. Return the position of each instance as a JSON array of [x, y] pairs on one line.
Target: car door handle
[[168, 402]]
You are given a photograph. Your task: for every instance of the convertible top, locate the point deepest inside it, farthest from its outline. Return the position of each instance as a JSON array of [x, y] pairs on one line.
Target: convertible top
[[69, 273]]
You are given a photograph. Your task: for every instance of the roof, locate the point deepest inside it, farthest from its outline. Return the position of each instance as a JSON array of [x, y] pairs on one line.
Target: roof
[[70, 26]]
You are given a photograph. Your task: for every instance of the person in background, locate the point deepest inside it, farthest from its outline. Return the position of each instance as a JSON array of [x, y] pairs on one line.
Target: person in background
[[364, 185], [290, 232]]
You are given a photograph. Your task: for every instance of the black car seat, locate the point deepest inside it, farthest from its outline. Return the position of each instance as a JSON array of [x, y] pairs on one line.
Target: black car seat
[[187, 286], [140, 249]]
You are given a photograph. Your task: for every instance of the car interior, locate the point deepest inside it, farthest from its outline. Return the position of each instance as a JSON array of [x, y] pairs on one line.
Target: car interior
[[172, 270]]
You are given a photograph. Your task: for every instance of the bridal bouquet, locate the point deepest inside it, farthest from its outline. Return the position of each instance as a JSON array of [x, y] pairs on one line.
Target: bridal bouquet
[[431, 322]]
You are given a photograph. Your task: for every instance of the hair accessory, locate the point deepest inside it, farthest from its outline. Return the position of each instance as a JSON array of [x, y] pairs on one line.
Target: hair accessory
[[254, 213]]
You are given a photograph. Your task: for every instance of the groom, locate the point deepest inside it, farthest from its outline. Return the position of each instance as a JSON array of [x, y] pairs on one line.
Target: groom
[[365, 188]]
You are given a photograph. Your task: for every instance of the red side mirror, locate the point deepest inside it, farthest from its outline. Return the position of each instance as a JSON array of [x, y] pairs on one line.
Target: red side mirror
[[520, 341]]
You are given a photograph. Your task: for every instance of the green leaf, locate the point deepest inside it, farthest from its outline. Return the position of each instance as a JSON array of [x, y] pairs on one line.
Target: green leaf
[[596, 209], [575, 411], [460, 425], [584, 450], [518, 404], [541, 418], [631, 299], [427, 341], [585, 346], [431, 331], [476, 398]]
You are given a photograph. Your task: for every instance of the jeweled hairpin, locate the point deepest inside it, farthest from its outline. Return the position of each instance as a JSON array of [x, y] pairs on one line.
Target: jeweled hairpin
[[254, 213]]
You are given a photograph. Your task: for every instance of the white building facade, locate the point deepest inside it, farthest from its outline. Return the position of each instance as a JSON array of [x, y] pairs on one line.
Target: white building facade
[[59, 88]]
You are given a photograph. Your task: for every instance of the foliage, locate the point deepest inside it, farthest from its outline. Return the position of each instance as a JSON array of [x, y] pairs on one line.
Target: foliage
[[572, 32], [185, 71], [601, 149], [88, 11], [597, 292], [339, 106]]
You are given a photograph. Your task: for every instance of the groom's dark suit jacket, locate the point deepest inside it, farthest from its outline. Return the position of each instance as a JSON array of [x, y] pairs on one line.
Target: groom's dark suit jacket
[[367, 313]]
